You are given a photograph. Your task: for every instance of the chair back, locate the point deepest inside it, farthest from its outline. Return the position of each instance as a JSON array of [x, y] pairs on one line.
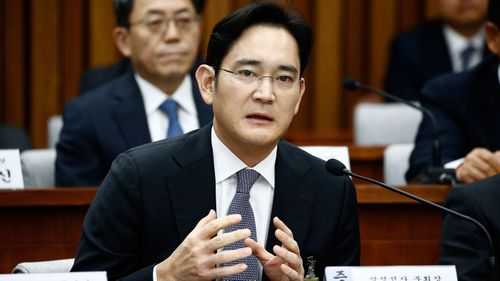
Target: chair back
[[385, 123], [54, 126], [396, 162], [38, 167]]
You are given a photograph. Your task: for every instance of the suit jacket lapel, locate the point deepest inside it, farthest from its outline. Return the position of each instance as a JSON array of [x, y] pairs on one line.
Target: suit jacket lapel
[[129, 111], [293, 197], [192, 187]]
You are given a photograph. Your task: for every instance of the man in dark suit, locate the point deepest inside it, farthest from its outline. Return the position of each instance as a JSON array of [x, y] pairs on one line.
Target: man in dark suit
[[464, 244], [466, 107], [452, 44], [153, 216], [157, 98]]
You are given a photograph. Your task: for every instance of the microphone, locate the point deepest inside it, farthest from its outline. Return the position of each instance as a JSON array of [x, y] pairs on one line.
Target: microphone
[[337, 168], [435, 172]]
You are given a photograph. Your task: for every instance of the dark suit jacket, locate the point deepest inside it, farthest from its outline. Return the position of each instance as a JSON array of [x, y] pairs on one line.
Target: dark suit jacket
[[463, 243], [95, 77], [155, 194], [103, 123], [416, 57], [466, 106]]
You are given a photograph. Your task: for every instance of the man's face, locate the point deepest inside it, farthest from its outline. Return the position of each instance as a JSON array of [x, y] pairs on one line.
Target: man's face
[[464, 12], [256, 114], [160, 53]]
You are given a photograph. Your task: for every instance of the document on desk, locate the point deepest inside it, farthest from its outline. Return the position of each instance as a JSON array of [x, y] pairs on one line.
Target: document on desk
[[70, 276]]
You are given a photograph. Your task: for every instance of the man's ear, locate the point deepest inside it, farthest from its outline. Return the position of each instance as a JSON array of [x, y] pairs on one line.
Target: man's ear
[[122, 40], [493, 38], [205, 75]]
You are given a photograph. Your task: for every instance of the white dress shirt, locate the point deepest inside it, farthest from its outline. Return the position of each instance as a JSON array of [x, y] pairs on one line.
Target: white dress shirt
[[456, 43], [153, 97], [226, 165]]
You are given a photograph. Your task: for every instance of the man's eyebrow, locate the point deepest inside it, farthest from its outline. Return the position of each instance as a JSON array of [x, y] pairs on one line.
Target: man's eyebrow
[[289, 68], [162, 12], [248, 62]]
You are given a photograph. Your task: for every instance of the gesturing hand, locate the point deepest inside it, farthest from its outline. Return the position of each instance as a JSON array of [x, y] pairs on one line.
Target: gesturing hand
[[286, 264], [195, 258]]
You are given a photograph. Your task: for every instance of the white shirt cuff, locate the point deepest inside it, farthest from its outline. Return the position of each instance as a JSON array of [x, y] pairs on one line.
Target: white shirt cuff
[[452, 165]]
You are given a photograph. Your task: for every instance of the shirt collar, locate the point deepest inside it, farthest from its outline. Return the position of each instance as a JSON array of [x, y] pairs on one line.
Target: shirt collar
[[457, 42], [153, 97], [227, 164]]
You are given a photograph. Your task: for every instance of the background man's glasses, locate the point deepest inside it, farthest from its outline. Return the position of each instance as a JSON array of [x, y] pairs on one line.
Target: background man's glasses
[[159, 24]]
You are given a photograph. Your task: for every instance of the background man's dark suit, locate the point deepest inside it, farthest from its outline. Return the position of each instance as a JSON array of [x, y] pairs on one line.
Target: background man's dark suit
[[103, 123], [464, 244], [155, 194], [466, 106], [95, 77], [416, 57]]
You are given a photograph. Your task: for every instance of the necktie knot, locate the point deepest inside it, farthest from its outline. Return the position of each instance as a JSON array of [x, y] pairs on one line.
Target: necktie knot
[[246, 179], [466, 56], [169, 107]]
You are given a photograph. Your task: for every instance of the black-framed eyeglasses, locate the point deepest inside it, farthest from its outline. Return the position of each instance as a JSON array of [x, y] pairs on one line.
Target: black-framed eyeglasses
[[158, 23], [281, 82]]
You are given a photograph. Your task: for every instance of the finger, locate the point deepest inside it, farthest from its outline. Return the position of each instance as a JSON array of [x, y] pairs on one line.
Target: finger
[[290, 273], [260, 252], [290, 258], [287, 241], [225, 239], [213, 226], [281, 225], [475, 174], [211, 216], [231, 255], [481, 164], [225, 271], [468, 173]]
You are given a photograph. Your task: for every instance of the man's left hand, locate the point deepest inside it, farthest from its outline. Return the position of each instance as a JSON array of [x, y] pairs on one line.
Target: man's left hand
[[285, 264]]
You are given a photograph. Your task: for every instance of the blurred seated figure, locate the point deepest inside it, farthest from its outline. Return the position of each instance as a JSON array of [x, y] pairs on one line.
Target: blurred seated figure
[[467, 110], [453, 43], [95, 77], [12, 137], [157, 98], [463, 244]]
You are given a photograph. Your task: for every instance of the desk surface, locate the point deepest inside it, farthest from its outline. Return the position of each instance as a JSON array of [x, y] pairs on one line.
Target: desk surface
[[42, 224]]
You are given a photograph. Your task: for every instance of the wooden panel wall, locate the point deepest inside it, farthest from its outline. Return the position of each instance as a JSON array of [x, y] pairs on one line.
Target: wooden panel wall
[[45, 45]]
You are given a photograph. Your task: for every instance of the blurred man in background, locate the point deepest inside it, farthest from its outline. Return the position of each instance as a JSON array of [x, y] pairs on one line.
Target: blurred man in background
[[158, 98], [454, 43]]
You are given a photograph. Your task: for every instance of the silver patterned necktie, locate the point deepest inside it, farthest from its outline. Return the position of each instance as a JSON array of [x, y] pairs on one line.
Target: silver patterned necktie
[[170, 108], [241, 205]]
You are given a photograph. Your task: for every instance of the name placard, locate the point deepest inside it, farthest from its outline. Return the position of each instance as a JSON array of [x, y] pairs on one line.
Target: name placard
[[11, 175], [70, 276], [391, 273]]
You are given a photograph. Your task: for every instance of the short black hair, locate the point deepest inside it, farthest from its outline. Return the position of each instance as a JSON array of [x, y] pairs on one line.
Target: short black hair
[[123, 8], [229, 29], [494, 12]]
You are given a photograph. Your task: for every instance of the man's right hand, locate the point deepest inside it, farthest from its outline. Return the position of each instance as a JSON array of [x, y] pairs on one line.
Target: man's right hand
[[196, 257], [479, 164]]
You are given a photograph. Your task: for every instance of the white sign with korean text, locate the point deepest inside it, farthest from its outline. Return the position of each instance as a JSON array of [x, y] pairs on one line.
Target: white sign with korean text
[[11, 175], [73, 276], [391, 273]]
